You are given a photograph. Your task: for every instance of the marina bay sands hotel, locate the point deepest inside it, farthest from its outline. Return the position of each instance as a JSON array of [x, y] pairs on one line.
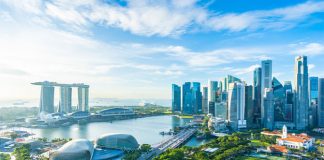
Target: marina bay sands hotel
[[65, 104]]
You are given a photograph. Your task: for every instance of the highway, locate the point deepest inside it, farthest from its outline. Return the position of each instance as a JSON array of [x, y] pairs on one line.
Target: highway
[[173, 142]]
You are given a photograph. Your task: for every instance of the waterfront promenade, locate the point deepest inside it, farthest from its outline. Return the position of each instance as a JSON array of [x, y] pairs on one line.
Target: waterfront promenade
[[171, 143]]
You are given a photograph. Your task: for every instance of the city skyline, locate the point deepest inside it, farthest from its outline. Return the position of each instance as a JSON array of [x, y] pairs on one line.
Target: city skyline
[[105, 50]]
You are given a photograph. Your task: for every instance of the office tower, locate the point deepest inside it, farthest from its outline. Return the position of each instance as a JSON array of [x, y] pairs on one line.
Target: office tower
[[230, 79], [186, 98], [287, 86], [221, 110], [320, 111], [266, 79], [301, 90], [176, 98], [313, 93], [249, 110], [212, 89], [236, 105], [47, 99], [257, 96], [268, 108], [196, 98], [279, 99], [65, 105], [83, 98], [288, 107], [205, 100]]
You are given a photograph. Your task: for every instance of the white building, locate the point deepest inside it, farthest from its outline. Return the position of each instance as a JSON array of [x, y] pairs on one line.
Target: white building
[[236, 105], [295, 141]]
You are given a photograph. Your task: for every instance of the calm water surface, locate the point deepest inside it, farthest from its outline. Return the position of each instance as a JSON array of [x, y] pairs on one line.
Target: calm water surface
[[145, 130]]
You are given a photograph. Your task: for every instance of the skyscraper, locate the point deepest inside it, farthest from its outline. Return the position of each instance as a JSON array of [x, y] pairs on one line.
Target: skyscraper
[[320, 115], [266, 79], [196, 98], [83, 98], [257, 96], [278, 99], [249, 109], [176, 98], [269, 109], [65, 105], [313, 93], [47, 99], [205, 100], [301, 90], [212, 89], [186, 98], [236, 105]]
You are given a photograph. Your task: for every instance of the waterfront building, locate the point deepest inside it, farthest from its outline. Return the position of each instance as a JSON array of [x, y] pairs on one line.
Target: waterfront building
[[176, 98], [313, 95], [257, 96], [236, 106], [117, 141], [266, 82], [268, 121], [47, 99], [302, 93], [320, 103], [75, 149], [117, 112], [249, 110], [83, 98], [65, 105], [186, 98], [205, 100], [196, 98]]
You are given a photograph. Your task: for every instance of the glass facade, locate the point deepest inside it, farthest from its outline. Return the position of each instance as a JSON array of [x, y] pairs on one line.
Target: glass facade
[[176, 98]]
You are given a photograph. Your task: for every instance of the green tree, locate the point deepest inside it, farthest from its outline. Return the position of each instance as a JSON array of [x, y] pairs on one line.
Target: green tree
[[4, 156], [22, 152], [145, 147]]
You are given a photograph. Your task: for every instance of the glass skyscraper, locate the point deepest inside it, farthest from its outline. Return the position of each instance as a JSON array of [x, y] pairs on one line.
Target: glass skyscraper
[[257, 96], [186, 98], [47, 99], [313, 94], [269, 109], [236, 105], [176, 98], [65, 105], [249, 109], [301, 90], [205, 100], [266, 79], [212, 89], [196, 98], [320, 116]]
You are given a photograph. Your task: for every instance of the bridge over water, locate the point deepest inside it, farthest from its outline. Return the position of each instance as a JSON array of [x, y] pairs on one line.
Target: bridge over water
[[171, 143]]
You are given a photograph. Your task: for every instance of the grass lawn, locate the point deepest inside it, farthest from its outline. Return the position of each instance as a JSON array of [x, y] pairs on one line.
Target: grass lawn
[[259, 143]]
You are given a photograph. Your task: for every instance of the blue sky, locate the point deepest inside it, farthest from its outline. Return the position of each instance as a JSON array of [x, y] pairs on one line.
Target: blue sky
[[137, 49]]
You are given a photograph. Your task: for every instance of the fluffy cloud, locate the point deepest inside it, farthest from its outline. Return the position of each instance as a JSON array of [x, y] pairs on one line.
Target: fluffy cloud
[[308, 48], [162, 18]]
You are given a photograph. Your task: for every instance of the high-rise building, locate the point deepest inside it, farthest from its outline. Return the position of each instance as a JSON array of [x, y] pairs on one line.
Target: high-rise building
[[221, 110], [230, 79], [269, 109], [83, 98], [249, 109], [257, 96], [279, 99], [212, 89], [302, 93], [186, 98], [47, 99], [65, 105], [236, 105], [320, 112], [313, 93], [288, 108], [196, 98], [266, 79], [205, 100], [176, 98]]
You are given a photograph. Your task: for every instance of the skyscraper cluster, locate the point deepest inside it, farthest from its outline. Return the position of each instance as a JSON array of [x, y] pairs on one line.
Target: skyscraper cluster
[[267, 103]]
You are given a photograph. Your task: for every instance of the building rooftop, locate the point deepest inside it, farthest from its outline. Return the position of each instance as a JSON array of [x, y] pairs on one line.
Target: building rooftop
[[47, 83], [303, 137], [277, 148]]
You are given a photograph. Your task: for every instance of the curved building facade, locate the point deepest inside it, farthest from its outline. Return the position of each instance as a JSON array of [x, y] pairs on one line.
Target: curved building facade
[[117, 141], [80, 149], [116, 112]]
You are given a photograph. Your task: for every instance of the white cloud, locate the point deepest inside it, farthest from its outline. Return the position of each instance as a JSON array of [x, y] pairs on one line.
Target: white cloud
[[162, 18], [311, 66], [308, 49]]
